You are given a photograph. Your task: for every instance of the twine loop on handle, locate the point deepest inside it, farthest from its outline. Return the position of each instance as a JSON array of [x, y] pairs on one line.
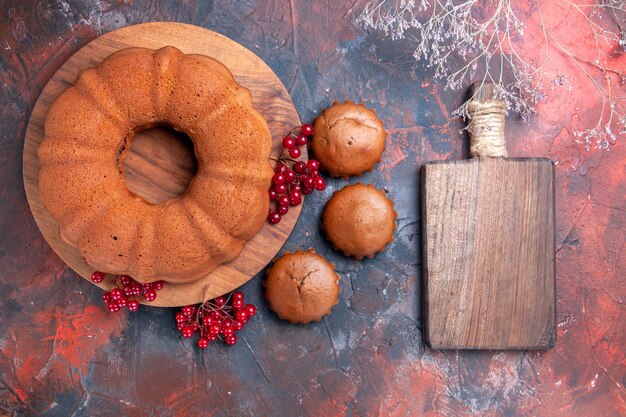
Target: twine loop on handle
[[486, 122]]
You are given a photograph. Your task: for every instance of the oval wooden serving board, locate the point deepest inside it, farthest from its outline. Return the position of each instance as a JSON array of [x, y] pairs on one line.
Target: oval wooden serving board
[[158, 165]]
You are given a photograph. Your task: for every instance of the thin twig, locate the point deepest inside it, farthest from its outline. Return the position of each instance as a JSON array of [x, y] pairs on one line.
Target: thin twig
[[449, 28]]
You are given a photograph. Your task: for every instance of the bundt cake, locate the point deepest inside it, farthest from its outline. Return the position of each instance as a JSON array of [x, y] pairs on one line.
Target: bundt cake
[[87, 130]]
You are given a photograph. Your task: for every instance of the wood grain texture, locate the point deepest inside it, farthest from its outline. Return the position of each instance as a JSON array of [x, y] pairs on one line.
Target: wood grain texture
[[156, 158], [159, 164], [489, 254]]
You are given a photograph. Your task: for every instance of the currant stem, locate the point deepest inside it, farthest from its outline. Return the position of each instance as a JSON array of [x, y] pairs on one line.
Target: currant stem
[[293, 130], [281, 159]]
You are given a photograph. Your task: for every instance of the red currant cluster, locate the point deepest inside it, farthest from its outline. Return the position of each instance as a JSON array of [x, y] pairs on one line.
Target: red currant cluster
[[216, 319], [121, 296], [289, 184]]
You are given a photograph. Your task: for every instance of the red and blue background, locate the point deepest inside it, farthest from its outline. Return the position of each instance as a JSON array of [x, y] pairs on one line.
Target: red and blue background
[[63, 354]]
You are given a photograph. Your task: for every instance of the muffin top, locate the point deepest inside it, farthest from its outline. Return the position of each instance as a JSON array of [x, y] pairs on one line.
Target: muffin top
[[302, 287], [359, 220], [349, 139]]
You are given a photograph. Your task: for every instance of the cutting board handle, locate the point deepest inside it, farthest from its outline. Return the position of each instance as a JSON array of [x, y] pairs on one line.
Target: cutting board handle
[[486, 112]]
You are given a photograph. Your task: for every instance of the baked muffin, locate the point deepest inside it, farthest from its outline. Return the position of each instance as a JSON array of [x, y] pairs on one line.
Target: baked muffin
[[348, 139], [301, 287], [359, 220]]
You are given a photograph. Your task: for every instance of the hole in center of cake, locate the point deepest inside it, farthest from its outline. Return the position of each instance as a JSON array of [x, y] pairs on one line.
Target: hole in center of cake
[[159, 164]]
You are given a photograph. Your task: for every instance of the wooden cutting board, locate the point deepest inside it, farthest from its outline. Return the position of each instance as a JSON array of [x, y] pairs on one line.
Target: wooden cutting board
[[489, 246], [160, 163]]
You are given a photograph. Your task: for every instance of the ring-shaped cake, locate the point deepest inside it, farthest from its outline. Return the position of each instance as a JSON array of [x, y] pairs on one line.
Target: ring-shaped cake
[[87, 131]]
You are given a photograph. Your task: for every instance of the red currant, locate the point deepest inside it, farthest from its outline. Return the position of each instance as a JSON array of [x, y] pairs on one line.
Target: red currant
[[123, 301], [282, 210], [274, 217], [302, 140], [113, 306], [128, 290], [307, 129], [290, 176], [241, 316], [150, 294], [295, 192], [295, 198], [137, 289], [250, 310], [187, 331], [97, 277], [308, 182], [214, 320], [313, 165], [273, 194], [158, 285], [306, 190], [289, 142], [116, 294], [278, 179], [283, 200], [295, 153], [125, 279], [300, 167], [280, 168], [106, 297], [133, 305], [281, 189], [320, 184]]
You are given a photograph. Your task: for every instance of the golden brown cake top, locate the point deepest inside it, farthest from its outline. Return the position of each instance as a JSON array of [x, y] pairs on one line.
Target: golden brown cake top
[[349, 139], [302, 287], [88, 129], [359, 220]]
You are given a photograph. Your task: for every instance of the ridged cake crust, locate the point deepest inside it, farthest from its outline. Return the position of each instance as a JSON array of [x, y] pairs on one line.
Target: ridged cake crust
[[81, 178]]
